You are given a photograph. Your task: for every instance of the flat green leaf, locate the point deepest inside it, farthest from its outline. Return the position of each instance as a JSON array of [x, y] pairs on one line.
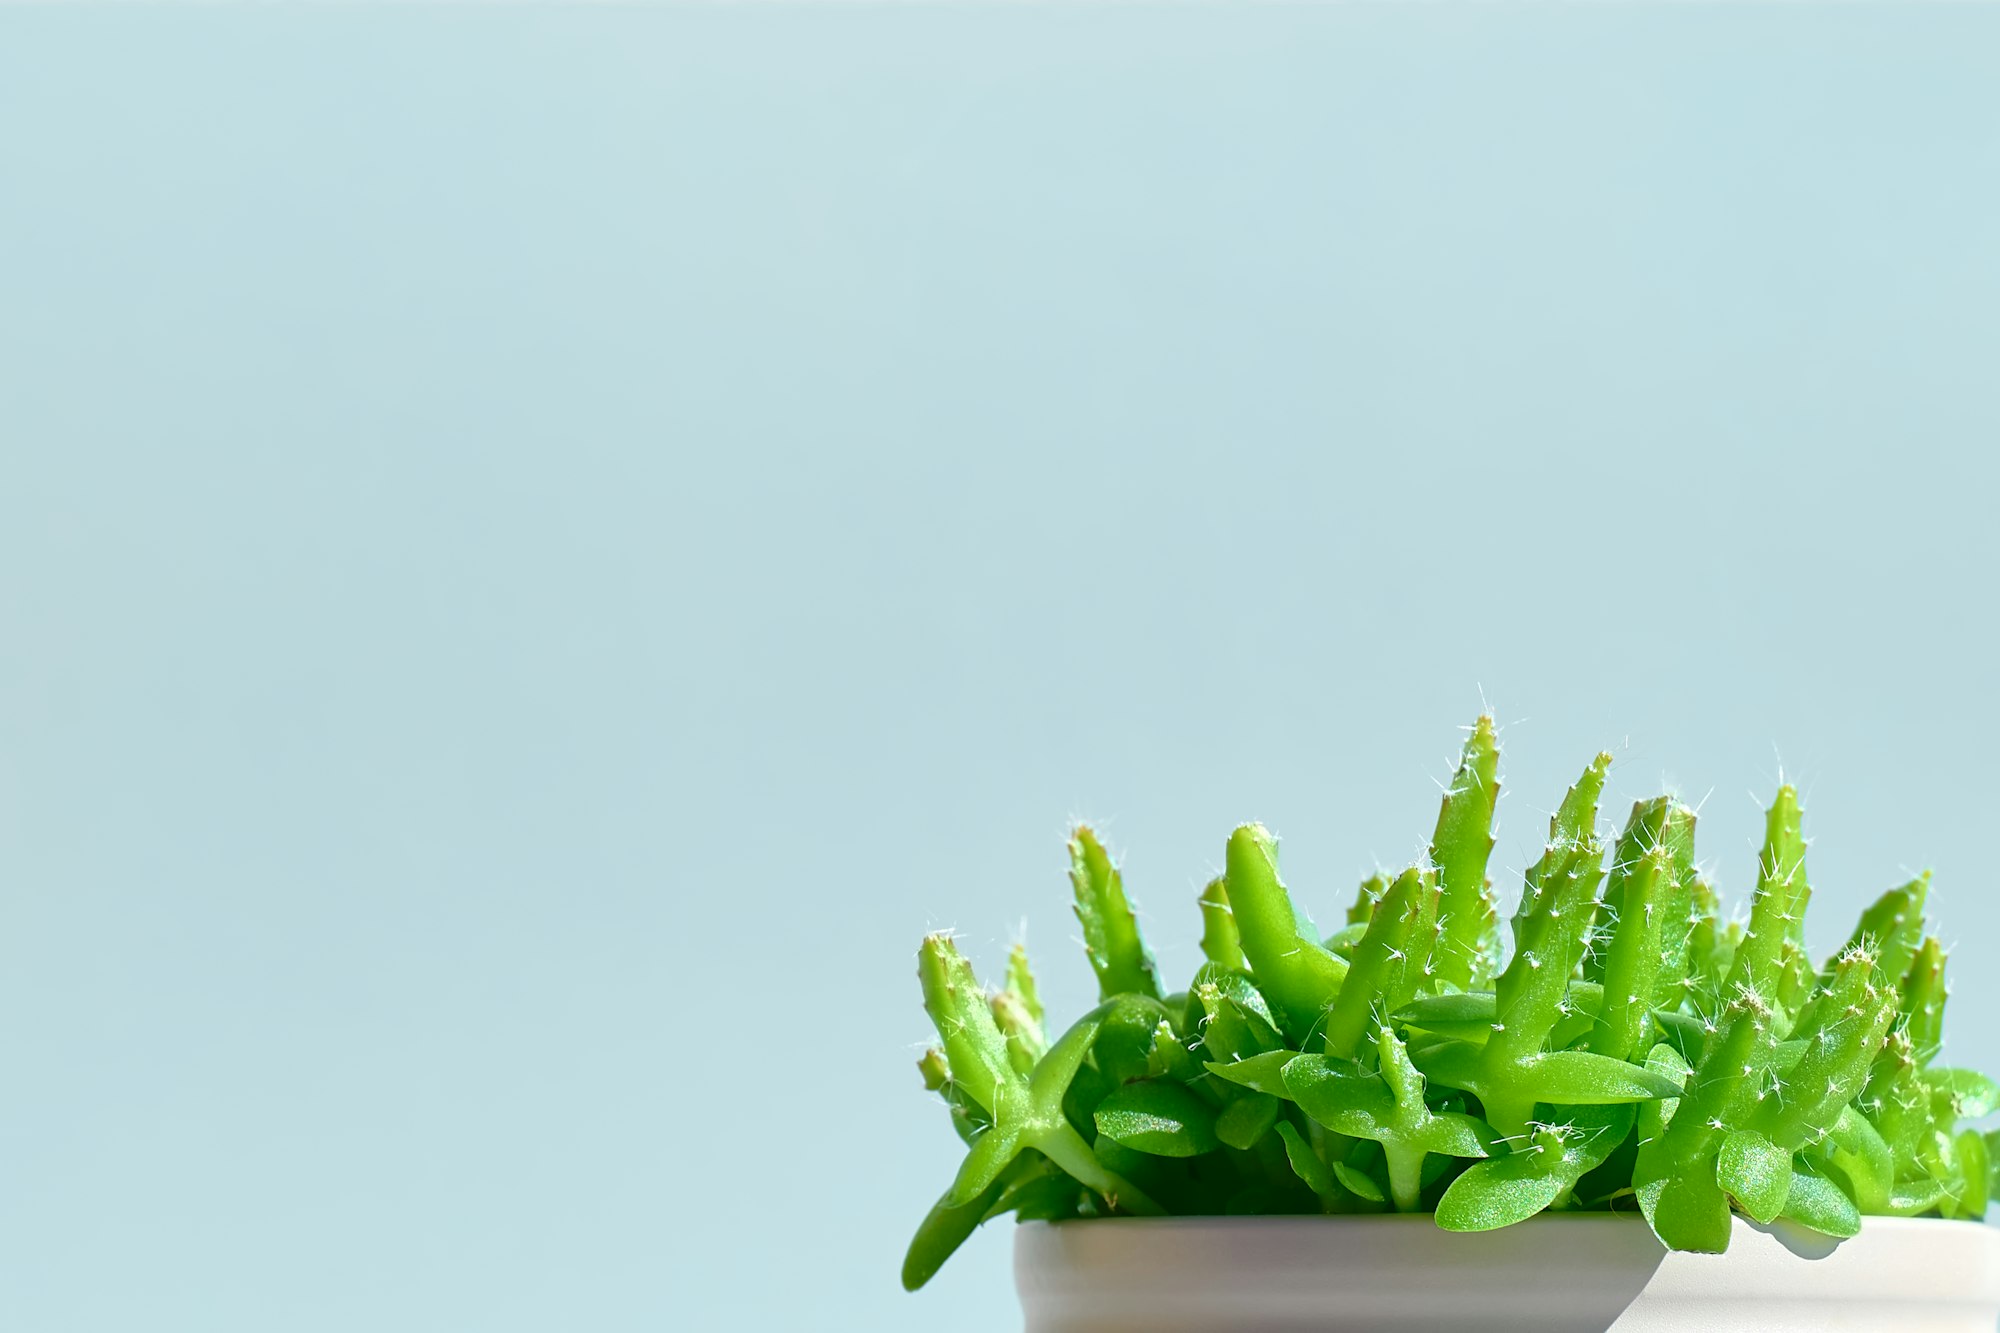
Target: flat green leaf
[[1816, 1202], [1305, 1162], [1913, 1198], [992, 1154], [1247, 1118], [1264, 1073], [1501, 1190], [1756, 1172], [1592, 1133], [1466, 1015], [1163, 1119], [1687, 1213], [1497, 1192], [1338, 1095], [1579, 1078], [1358, 1183], [1455, 1064], [942, 1231], [1456, 1135]]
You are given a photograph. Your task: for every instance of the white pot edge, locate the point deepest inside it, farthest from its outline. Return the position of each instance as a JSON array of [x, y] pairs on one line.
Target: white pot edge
[[1570, 1271]]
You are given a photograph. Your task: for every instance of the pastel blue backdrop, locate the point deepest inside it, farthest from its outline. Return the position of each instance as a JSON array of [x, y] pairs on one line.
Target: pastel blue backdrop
[[540, 550]]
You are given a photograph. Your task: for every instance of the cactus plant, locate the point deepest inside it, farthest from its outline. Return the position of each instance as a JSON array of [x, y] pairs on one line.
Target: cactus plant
[[1633, 1054]]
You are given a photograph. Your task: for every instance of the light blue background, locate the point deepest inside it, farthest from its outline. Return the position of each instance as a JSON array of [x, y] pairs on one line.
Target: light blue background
[[540, 551]]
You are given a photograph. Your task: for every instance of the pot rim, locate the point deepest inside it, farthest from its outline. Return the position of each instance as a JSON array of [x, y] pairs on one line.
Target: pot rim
[[1592, 1270], [1868, 1223], [1921, 1257]]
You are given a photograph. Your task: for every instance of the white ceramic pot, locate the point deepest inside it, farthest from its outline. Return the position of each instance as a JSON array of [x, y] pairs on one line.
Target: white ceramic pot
[[1551, 1274]]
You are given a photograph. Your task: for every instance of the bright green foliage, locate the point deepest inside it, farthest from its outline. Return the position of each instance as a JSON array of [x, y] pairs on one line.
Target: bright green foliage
[[1296, 972], [1389, 962], [1017, 1012], [1219, 943], [1459, 848], [1543, 1167], [1386, 1105], [1633, 1053], [1365, 898], [1110, 931]]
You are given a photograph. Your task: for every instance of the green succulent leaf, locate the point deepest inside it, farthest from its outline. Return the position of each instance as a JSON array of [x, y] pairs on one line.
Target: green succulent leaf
[[1547, 1165], [1464, 1015], [1160, 1118], [1756, 1172], [1687, 1213], [1305, 1162], [1579, 1078], [943, 1230], [1246, 1119], [1816, 1202], [1497, 1193], [1263, 1073], [1358, 1183]]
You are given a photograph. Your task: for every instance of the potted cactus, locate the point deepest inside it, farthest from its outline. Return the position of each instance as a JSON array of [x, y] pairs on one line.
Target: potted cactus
[[1639, 1115]]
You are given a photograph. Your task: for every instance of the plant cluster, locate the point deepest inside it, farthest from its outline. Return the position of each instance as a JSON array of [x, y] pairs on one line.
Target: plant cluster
[[1634, 1051]]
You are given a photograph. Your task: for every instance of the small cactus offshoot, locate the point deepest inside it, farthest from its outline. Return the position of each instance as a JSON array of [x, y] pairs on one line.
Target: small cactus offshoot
[[1630, 1052]]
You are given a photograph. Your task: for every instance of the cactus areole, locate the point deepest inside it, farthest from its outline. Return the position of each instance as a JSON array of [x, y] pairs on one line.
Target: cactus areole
[[1627, 1050]]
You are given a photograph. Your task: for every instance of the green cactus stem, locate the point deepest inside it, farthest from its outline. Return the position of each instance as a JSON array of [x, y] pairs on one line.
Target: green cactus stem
[[1362, 911], [1460, 847], [1389, 965], [1514, 1068], [1017, 1012], [1674, 1174], [1296, 972], [1631, 955], [1110, 930], [1780, 903], [1219, 943], [1854, 1014], [1891, 928]]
